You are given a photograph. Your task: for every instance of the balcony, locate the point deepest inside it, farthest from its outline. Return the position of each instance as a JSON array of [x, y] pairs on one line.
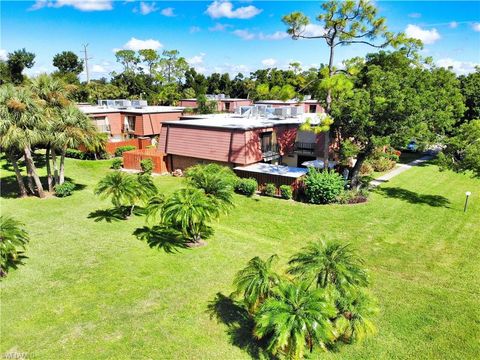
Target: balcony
[[270, 152], [305, 147]]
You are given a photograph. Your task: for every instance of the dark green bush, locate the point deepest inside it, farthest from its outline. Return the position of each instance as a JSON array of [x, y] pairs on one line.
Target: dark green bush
[[197, 173], [75, 154], [65, 189], [117, 163], [246, 186], [270, 190], [147, 166], [286, 192], [121, 149], [323, 187]]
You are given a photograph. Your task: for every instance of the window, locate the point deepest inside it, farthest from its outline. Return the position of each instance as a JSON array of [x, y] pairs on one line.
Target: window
[[101, 122], [227, 106], [266, 141], [313, 108], [129, 124]]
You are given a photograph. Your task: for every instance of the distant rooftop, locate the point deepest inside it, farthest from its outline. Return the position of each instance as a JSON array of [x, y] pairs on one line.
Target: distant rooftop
[[130, 106], [280, 170]]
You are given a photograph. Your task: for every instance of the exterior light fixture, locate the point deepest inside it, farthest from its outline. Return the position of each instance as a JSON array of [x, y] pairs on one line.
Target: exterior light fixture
[[467, 195]]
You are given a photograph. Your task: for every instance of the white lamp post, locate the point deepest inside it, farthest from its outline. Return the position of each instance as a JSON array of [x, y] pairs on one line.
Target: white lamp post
[[467, 195]]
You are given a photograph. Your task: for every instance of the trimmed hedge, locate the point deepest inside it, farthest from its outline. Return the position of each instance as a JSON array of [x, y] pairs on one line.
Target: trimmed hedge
[[270, 190], [64, 189], [117, 164], [246, 187], [286, 192], [121, 149], [323, 187]]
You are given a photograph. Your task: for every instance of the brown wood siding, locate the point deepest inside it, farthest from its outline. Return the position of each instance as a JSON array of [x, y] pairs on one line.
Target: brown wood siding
[[137, 142], [151, 124], [132, 159]]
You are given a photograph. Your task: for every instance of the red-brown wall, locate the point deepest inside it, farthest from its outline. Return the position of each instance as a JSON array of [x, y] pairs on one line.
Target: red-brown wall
[[151, 124]]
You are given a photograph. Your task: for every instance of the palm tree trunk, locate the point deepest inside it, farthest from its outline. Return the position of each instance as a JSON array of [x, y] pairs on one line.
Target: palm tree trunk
[[55, 168], [22, 190], [31, 186], [33, 171], [62, 166], [49, 170]]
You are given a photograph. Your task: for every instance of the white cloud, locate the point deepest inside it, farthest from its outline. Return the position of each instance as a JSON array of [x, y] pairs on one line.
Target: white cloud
[[269, 62], [168, 12], [426, 36], [137, 44], [314, 30], [220, 9], [197, 59], [277, 35], [82, 5], [476, 27], [3, 54], [219, 27], [194, 29], [458, 67], [244, 34], [453, 25], [146, 8], [415, 15], [98, 69]]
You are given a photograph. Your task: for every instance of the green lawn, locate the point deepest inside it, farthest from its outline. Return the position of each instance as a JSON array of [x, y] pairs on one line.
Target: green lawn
[[90, 290]]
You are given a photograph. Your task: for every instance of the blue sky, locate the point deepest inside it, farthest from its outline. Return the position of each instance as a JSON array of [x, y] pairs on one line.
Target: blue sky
[[221, 35]]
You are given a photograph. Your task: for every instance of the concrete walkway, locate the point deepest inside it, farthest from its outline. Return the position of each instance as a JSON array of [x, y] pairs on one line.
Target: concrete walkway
[[400, 168]]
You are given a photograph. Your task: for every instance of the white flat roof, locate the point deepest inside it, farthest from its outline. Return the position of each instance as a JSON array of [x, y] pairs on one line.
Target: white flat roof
[[95, 109], [288, 102], [234, 121], [280, 170], [225, 99]]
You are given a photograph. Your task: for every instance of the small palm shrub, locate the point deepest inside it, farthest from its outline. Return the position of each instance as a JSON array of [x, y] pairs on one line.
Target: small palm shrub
[[196, 174], [65, 189], [323, 187], [366, 169], [147, 166], [246, 187], [270, 190], [117, 163], [13, 240], [286, 192], [121, 149]]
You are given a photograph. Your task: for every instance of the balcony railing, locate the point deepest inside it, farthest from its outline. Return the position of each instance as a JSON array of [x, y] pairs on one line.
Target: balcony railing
[[305, 147], [270, 152]]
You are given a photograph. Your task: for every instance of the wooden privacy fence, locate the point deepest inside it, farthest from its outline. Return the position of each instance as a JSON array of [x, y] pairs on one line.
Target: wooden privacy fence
[[139, 143], [132, 158]]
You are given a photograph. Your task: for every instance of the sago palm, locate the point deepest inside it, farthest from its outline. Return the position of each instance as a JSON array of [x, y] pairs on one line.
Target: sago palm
[[329, 263], [189, 210], [256, 281], [13, 239], [294, 318], [121, 188], [356, 308]]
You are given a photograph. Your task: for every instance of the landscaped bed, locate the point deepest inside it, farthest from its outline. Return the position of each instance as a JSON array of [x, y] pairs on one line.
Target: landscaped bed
[[90, 289]]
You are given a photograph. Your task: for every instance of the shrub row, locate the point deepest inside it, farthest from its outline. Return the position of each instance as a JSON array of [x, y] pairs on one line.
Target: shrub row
[[121, 149]]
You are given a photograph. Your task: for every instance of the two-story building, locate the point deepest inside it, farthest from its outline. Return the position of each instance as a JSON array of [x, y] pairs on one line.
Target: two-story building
[[309, 105]]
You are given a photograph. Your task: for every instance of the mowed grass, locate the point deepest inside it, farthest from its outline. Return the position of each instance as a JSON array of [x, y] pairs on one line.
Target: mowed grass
[[91, 290]]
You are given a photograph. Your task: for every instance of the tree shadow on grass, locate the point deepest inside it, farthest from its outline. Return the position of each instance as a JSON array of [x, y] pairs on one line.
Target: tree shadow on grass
[[9, 186], [108, 215], [240, 326], [162, 237], [413, 197]]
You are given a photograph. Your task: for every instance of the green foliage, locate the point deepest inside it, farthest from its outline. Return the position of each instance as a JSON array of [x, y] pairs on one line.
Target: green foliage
[[246, 187], [270, 190], [286, 192], [75, 154], [470, 87], [366, 169], [68, 62], [13, 240], [117, 163], [65, 189], [147, 166], [348, 150], [353, 196], [121, 149], [17, 62], [462, 151], [329, 263], [255, 283], [189, 210], [215, 180], [323, 187], [295, 318]]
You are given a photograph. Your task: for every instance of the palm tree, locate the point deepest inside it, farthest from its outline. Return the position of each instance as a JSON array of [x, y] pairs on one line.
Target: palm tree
[[154, 207], [21, 127], [295, 317], [74, 130], [256, 281], [54, 96], [329, 263], [122, 188], [188, 210], [356, 308], [12, 238], [216, 181]]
